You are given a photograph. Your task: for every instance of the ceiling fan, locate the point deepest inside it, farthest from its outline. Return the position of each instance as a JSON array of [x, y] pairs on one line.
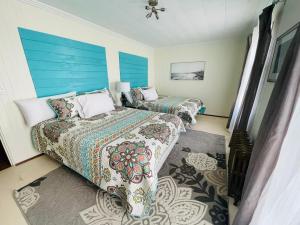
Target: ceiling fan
[[152, 7]]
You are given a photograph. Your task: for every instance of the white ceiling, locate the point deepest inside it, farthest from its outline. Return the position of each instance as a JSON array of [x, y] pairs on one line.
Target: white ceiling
[[185, 21]]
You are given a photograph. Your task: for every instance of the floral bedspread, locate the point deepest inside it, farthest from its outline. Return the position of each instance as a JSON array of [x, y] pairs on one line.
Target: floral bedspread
[[119, 151], [185, 108]]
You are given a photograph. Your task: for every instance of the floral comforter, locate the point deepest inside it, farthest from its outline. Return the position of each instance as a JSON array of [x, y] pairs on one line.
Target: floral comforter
[[119, 151], [185, 108]]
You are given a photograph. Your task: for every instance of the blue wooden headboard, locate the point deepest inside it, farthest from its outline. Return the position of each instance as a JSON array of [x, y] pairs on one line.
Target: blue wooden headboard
[[133, 69], [59, 65]]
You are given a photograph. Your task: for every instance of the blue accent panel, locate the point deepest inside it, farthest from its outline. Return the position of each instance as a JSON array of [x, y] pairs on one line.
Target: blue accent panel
[[58, 65], [133, 69]]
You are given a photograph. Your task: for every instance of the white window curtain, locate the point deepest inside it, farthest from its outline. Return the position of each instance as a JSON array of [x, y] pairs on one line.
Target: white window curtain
[[245, 77], [279, 202]]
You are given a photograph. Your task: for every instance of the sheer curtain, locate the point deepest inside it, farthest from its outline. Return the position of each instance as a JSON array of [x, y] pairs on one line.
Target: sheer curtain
[[245, 77], [279, 201]]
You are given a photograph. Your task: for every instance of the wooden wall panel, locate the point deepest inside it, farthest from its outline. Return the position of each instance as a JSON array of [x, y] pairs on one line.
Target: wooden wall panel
[[58, 65], [133, 69]]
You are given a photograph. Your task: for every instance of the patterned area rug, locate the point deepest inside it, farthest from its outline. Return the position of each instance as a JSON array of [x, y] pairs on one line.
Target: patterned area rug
[[192, 190]]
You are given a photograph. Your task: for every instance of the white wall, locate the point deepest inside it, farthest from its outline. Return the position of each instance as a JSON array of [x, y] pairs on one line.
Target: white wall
[[224, 60], [289, 17], [15, 79]]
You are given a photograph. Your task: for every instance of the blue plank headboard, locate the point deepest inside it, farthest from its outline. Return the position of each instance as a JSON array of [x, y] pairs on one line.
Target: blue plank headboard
[[59, 65], [133, 69]]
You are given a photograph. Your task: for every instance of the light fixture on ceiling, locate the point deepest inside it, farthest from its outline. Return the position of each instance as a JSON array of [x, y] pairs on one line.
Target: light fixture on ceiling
[[152, 7]]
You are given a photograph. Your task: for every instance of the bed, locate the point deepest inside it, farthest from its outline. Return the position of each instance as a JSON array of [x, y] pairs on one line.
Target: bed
[[120, 151], [185, 108]]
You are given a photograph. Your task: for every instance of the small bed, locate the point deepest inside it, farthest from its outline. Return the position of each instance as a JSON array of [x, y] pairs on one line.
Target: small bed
[[120, 151], [185, 108]]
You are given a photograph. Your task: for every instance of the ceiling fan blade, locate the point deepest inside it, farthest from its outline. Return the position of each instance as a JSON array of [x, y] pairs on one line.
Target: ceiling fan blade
[[156, 15], [149, 15], [162, 9], [147, 7]]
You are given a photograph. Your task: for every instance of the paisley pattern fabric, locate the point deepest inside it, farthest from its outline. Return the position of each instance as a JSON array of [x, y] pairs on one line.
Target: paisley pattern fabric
[[137, 95], [159, 132], [53, 129], [64, 107], [185, 108], [111, 151], [170, 118]]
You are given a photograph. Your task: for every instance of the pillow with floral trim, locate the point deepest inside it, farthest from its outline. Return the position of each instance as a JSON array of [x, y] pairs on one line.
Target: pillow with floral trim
[[64, 107]]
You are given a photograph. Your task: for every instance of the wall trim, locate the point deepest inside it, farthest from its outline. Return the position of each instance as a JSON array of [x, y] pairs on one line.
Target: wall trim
[[19, 163], [64, 14], [6, 148]]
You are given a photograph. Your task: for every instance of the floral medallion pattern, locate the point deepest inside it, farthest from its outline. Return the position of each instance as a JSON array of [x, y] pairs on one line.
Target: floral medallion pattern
[[202, 161], [27, 198], [173, 206], [131, 160], [159, 132], [204, 184], [218, 178]]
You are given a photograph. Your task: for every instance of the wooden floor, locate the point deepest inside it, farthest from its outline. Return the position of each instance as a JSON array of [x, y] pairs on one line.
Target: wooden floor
[[18, 176]]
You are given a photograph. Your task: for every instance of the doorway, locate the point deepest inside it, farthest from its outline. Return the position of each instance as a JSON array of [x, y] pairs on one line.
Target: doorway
[[4, 162]]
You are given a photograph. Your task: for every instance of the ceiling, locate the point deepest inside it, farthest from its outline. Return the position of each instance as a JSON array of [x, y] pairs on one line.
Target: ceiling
[[185, 21]]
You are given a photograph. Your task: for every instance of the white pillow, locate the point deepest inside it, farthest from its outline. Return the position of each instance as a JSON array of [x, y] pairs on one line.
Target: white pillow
[[94, 104], [150, 94], [36, 110]]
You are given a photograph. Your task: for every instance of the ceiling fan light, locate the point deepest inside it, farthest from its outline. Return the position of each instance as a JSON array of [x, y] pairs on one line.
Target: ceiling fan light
[[151, 6]]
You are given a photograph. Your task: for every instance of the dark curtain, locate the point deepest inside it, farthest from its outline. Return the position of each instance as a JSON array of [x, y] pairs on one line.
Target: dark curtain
[[264, 40], [245, 59], [272, 132]]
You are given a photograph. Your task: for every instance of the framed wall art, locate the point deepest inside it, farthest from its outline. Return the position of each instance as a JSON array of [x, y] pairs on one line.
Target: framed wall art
[[188, 70]]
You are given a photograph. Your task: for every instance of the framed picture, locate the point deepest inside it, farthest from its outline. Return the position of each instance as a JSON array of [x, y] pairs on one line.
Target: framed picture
[[283, 43], [188, 70]]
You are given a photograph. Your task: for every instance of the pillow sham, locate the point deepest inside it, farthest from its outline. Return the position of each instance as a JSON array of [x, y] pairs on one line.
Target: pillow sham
[[137, 94], [36, 110], [94, 104], [150, 94], [104, 90], [64, 107]]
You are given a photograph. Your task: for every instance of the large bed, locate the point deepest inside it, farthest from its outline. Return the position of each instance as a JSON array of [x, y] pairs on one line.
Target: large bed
[[185, 108], [120, 151]]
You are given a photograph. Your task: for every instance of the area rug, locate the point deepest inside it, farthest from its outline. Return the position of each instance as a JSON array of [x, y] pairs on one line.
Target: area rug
[[192, 190]]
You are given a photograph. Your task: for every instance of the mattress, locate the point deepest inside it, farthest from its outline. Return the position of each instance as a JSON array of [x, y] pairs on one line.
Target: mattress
[[121, 152]]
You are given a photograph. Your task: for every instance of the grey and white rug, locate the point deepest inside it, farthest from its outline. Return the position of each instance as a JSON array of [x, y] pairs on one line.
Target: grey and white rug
[[192, 190]]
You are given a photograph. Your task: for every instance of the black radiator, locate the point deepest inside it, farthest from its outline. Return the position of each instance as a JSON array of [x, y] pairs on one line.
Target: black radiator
[[239, 157]]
